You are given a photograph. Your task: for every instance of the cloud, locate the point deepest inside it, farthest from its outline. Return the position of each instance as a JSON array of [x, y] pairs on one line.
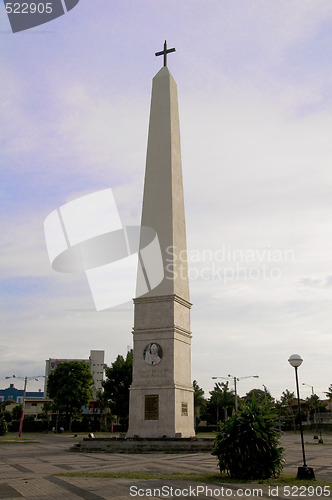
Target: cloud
[[318, 282]]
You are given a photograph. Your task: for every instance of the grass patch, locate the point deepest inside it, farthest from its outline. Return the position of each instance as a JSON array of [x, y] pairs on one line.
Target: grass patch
[[325, 443], [16, 440], [22, 441], [284, 479], [290, 480]]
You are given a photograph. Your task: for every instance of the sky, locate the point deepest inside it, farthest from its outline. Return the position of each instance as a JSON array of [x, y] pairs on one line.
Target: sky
[[254, 80]]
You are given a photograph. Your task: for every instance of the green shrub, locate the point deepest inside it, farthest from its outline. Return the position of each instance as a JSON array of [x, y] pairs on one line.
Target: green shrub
[[16, 412], [248, 444], [14, 426], [7, 415], [3, 426]]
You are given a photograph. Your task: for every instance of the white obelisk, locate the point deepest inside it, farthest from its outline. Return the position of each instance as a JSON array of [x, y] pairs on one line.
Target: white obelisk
[[161, 394]]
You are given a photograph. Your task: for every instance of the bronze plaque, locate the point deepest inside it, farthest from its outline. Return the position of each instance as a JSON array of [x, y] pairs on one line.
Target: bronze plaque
[[152, 407]]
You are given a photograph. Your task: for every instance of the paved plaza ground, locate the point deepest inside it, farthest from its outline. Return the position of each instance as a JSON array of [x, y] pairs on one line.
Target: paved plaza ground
[[29, 471]]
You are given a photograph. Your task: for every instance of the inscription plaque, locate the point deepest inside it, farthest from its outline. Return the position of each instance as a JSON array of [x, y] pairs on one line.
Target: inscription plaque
[[184, 409], [152, 407]]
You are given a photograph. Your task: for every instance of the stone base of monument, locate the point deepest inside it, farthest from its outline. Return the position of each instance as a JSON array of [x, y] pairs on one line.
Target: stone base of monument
[[144, 445]]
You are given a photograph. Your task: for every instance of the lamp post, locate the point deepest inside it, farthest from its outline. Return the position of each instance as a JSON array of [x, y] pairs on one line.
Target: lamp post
[[24, 393], [317, 419], [235, 380], [303, 472], [312, 388]]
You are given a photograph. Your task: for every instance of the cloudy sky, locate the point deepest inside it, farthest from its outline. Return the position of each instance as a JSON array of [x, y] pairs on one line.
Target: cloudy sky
[[254, 81]]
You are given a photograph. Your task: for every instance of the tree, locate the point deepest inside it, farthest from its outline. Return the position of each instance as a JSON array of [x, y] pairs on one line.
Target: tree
[[288, 407], [116, 386], [102, 404], [260, 395], [315, 405], [70, 387], [3, 404], [288, 398], [7, 415], [248, 443], [221, 401], [329, 392], [16, 412], [199, 401], [46, 414]]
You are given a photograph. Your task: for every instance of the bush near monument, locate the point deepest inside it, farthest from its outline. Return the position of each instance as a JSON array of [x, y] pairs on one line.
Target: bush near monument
[[248, 443]]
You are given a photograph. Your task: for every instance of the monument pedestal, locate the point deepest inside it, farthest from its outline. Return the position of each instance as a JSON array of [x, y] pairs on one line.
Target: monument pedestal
[[144, 445], [161, 395]]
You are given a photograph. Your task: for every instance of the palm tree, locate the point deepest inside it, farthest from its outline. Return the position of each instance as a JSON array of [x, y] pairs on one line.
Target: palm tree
[[103, 405], [288, 401], [329, 392], [199, 401], [259, 395], [222, 398]]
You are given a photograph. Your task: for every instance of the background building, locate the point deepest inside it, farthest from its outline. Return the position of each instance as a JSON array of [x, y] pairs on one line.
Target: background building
[[95, 362], [13, 394], [34, 406]]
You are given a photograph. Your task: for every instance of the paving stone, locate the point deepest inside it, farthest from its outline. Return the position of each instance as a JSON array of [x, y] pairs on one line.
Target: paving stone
[[26, 469], [7, 491]]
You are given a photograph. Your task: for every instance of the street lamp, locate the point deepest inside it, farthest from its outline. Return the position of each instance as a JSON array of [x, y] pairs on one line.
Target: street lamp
[[317, 419], [236, 379], [24, 393], [312, 388], [303, 472]]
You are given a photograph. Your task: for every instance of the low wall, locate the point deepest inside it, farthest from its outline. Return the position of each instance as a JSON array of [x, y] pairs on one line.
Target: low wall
[[114, 445]]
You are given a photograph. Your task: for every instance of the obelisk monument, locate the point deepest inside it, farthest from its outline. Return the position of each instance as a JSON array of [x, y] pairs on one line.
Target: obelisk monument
[[161, 394]]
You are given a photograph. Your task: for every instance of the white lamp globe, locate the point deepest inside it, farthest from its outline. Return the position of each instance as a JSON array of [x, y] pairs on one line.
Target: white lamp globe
[[295, 360]]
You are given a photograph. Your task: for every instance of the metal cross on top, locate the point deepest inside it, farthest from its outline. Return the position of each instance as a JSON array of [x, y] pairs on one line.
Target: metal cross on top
[[164, 53]]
